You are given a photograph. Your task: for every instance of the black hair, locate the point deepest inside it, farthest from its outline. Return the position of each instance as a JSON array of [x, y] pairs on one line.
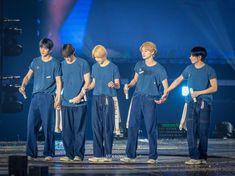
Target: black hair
[[46, 43], [199, 51], [67, 50]]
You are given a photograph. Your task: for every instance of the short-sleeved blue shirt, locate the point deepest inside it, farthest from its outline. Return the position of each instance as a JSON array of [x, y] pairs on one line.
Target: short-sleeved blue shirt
[[150, 79], [44, 75], [102, 76], [73, 80], [199, 79]]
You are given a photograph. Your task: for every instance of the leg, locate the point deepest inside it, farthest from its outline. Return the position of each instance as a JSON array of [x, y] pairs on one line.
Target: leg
[[47, 112], [134, 123], [67, 132], [33, 125], [204, 122], [98, 148], [108, 124], [150, 119], [191, 118], [79, 114]]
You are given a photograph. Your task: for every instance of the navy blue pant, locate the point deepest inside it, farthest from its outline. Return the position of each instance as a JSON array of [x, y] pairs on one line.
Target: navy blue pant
[[102, 125], [143, 106], [198, 121], [73, 130], [41, 113]]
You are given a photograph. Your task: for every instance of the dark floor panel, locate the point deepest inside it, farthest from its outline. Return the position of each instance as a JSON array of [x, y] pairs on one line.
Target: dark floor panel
[[172, 154]]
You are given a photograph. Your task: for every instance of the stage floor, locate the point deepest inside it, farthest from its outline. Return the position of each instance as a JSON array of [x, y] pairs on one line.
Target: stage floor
[[172, 154]]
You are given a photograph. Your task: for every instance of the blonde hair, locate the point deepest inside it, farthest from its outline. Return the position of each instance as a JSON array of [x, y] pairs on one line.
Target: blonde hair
[[150, 46], [99, 51]]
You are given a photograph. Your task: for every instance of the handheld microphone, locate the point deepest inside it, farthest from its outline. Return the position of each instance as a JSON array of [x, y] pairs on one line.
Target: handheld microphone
[[24, 94], [84, 92], [191, 91], [126, 94]]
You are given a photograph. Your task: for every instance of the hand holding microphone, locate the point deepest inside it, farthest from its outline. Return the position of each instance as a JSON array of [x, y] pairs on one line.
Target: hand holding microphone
[[84, 92], [126, 91], [22, 91], [191, 92]]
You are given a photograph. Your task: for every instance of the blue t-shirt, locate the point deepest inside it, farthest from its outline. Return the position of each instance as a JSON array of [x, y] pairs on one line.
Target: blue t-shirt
[[73, 80], [44, 75], [150, 79], [199, 79], [102, 76]]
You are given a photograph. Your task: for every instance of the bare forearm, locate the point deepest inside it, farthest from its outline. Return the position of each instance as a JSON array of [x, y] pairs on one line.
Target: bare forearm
[[175, 83], [165, 85], [208, 91], [58, 87], [132, 83], [25, 81], [27, 78], [91, 86]]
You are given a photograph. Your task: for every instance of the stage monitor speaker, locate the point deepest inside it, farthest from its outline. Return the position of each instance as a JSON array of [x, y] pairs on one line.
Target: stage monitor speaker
[[38, 171], [170, 131], [17, 165]]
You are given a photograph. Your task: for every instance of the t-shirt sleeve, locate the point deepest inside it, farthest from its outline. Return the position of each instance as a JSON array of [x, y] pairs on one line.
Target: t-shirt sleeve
[[116, 73], [58, 70], [136, 67], [212, 74], [163, 74], [32, 65], [185, 73], [86, 68], [93, 72]]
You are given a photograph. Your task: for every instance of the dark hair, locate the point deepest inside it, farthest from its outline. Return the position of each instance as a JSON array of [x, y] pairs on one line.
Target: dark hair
[[67, 50], [46, 43], [199, 51]]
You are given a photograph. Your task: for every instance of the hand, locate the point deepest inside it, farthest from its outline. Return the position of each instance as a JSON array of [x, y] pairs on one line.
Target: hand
[[76, 99], [162, 99], [195, 94], [57, 103], [126, 88], [111, 84], [22, 89]]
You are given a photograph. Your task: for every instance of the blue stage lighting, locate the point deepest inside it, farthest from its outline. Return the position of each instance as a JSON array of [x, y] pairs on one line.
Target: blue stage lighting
[[185, 91]]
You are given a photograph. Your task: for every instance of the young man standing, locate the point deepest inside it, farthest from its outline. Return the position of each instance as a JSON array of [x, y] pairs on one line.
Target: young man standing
[[76, 78], [149, 77], [105, 81], [47, 80], [202, 82]]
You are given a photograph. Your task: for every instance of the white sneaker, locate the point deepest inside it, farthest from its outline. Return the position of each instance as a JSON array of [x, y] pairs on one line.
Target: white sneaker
[[96, 159], [127, 160], [31, 158], [48, 158], [203, 161], [65, 158], [193, 162], [152, 161], [77, 158], [105, 159]]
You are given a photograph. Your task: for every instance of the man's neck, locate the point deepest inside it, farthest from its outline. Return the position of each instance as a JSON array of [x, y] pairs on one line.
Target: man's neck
[[105, 63], [46, 58], [150, 61], [199, 64], [73, 59]]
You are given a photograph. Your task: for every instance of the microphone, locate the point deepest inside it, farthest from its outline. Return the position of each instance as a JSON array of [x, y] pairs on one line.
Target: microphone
[[191, 91], [24, 95], [126, 94], [84, 92]]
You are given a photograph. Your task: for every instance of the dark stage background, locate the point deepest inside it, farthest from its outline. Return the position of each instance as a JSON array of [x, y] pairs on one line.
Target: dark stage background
[[122, 26]]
